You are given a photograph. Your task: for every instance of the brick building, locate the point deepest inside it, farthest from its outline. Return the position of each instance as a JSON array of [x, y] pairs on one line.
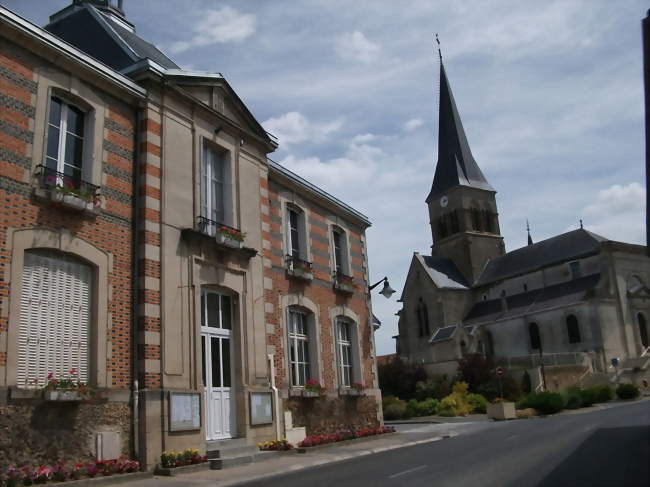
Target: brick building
[[149, 244]]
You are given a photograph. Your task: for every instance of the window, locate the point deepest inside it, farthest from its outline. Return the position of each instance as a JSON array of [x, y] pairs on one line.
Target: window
[[442, 227], [338, 240], [214, 185], [643, 330], [423, 319], [55, 310], [476, 219], [487, 217], [294, 233], [535, 340], [490, 343], [573, 329], [65, 143], [298, 348], [455, 226], [344, 352], [574, 267], [216, 310]]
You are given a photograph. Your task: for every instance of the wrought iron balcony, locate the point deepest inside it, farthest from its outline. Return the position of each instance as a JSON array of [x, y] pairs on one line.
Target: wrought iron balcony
[[298, 268], [223, 236]]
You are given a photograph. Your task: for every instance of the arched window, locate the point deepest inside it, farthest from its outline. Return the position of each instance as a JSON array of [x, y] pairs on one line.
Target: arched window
[[573, 329], [476, 219], [487, 216], [643, 330], [455, 227], [423, 319], [442, 227], [535, 339], [55, 312]]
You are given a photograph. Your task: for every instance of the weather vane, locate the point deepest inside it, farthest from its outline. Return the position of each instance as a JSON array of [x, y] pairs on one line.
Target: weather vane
[[439, 52]]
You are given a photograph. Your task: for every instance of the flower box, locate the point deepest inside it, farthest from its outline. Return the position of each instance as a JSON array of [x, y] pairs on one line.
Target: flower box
[[62, 395], [501, 411], [311, 394], [300, 273], [228, 241], [344, 287]]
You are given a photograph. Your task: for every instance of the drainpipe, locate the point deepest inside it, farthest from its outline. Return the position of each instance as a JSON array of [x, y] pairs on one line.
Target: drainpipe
[[135, 391], [276, 398]]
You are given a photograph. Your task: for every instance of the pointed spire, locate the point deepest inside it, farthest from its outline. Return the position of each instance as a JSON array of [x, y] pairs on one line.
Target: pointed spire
[[456, 165], [530, 239]]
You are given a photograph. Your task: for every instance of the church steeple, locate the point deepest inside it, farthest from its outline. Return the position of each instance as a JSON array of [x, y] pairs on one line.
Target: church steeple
[[462, 204]]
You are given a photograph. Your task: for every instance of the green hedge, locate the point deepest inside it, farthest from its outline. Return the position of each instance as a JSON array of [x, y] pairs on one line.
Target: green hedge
[[544, 402], [627, 391]]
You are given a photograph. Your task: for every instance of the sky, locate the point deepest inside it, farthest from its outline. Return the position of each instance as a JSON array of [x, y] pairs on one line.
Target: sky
[[550, 94]]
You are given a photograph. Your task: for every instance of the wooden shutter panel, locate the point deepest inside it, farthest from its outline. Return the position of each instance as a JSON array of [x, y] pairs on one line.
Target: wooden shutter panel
[[54, 318]]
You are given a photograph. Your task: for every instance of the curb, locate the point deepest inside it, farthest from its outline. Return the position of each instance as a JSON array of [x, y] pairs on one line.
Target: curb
[[338, 459]]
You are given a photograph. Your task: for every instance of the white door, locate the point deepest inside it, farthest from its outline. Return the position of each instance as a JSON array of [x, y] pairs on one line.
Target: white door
[[216, 344]]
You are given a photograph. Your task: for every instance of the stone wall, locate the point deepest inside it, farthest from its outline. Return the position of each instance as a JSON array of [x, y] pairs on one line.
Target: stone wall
[[325, 415], [34, 432]]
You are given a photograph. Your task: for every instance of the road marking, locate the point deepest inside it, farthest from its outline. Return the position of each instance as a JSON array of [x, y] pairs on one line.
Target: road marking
[[407, 471]]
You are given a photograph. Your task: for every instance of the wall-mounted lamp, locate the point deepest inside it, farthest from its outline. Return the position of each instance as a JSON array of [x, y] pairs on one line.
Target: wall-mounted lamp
[[386, 291]]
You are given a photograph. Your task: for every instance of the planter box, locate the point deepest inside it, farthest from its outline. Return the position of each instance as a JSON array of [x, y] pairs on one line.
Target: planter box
[[58, 395], [501, 411], [310, 394], [224, 239], [74, 202], [300, 273], [171, 472]]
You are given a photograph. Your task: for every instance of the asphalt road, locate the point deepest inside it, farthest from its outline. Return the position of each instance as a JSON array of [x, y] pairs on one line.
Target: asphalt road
[[610, 447]]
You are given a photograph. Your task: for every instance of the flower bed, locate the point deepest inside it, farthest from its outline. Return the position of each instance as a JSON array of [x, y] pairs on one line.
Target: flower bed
[[343, 435], [275, 445], [174, 459], [61, 472]]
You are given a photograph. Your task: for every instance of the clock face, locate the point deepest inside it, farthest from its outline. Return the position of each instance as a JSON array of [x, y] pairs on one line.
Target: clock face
[[444, 201]]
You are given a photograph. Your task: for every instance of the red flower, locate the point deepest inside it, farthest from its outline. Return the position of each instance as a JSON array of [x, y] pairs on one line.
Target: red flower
[[73, 371]]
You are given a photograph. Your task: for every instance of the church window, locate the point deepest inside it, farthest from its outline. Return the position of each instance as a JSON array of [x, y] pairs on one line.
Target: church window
[[455, 227], [573, 329], [442, 227], [423, 319], [476, 219], [535, 339], [574, 267], [643, 330], [488, 221], [490, 343]]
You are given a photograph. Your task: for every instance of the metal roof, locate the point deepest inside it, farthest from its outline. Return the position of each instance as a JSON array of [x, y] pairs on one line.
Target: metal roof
[[456, 165]]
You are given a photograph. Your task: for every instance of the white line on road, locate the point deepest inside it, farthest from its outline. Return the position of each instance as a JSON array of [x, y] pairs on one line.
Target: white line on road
[[406, 471]]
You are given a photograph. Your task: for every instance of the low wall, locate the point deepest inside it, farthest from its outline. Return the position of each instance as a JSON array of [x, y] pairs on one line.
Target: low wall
[[34, 432], [327, 414]]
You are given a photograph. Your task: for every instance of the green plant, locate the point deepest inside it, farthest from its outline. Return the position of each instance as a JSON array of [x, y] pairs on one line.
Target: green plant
[[398, 378], [603, 393], [588, 397], [627, 391], [312, 385], [417, 408], [436, 387], [476, 370], [231, 233], [544, 402], [477, 402], [456, 403], [69, 383], [396, 410], [573, 398]]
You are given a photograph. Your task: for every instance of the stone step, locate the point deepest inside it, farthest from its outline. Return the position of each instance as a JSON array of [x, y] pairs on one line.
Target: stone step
[[232, 452], [229, 462]]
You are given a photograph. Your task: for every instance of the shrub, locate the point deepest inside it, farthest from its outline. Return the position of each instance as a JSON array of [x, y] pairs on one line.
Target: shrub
[[475, 369], [588, 397], [602, 393], [429, 406], [456, 403], [627, 391], [477, 402], [388, 400], [573, 398], [395, 410], [544, 402], [511, 389], [437, 387], [526, 413], [398, 378]]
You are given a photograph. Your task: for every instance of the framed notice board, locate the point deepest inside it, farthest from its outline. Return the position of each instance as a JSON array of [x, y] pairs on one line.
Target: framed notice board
[[184, 411], [261, 406]]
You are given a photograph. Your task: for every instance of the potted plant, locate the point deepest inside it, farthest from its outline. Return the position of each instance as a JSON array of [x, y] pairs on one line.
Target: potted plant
[[500, 409], [230, 237], [67, 389], [312, 388]]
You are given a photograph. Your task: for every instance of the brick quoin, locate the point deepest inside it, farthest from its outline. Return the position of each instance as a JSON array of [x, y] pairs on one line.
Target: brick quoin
[[150, 191], [149, 296], [150, 238], [148, 323], [149, 125], [150, 148], [150, 268], [151, 381], [3, 358], [151, 352], [150, 214], [150, 170], [123, 119]]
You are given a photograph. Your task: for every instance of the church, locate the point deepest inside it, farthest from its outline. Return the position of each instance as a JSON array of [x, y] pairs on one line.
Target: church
[[578, 303]]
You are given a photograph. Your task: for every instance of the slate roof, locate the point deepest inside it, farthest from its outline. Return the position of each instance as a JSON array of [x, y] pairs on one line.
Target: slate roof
[[456, 165], [443, 272], [561, 248], [562, 294], [90, 30]]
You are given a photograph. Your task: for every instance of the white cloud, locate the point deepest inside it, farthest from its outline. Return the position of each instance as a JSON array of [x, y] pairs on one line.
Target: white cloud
[[362, 138], [355, 46], [293, 128], [413, 124], [217, 26], [618, 213]]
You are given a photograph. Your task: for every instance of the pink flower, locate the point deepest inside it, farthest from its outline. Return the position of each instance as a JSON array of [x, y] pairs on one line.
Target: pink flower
[[50, 376], [73, 371]]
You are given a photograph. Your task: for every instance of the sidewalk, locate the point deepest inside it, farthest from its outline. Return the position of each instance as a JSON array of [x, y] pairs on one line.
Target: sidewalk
[[292, 461]]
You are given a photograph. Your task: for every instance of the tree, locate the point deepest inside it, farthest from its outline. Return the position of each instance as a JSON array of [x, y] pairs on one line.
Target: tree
[[398, 378], [476, 369]]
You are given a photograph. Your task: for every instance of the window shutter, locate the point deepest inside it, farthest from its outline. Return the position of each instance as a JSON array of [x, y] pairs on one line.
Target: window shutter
[[54, 318]]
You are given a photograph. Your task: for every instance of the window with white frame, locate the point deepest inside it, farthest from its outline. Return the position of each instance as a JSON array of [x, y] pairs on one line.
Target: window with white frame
[[339, 245], [344, 352], [65, 143], [214, 173], [299, 355], [293, 223], [55, 311]]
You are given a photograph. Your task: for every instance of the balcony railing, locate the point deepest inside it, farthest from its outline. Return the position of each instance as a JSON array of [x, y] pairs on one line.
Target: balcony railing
[[224, 234], [66, 184], [550, 359], [298, 267]]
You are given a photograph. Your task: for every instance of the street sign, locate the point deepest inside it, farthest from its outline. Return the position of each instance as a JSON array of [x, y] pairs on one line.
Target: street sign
[[499, 371], [615, 361]]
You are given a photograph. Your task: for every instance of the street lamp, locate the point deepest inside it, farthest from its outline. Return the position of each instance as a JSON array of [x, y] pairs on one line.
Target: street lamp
[[386, 291]]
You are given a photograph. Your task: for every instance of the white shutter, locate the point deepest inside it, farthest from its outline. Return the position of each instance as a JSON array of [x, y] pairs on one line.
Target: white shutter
[[54, 318]]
